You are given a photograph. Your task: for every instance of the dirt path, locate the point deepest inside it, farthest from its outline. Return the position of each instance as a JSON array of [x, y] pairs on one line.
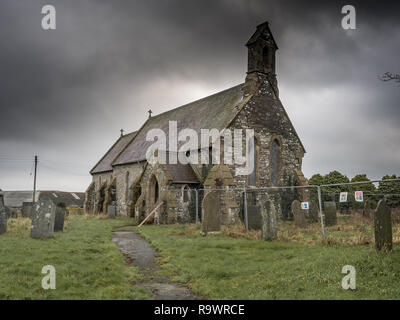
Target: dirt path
[[138, 252]]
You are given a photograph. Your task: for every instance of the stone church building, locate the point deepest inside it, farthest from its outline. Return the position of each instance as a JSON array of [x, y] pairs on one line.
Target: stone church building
[[124, 178]]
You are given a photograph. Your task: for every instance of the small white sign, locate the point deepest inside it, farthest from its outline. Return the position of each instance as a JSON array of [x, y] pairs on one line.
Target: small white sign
[[343, 197], [359, 196], [305, 206]]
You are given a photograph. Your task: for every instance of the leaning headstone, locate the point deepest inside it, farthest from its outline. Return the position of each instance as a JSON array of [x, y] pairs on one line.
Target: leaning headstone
[[383, 227], [61, 212], [312, 212], [298, 214], [211, 214], [26, 209], [43, 218], [269, 220], [112, 211], [367, 211], [330, 213], [3, 216]]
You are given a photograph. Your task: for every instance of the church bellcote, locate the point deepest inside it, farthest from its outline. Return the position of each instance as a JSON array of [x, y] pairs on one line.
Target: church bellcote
[[261, 59]]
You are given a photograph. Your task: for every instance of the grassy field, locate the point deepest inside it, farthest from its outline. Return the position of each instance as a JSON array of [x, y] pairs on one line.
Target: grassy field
[[88, 264], [222, 267]]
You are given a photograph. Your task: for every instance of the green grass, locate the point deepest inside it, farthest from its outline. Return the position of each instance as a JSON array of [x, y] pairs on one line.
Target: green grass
[[88, 264], [221, 267]]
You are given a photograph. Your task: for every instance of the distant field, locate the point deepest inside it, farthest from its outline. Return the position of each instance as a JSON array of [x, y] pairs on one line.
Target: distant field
[[88, 265]]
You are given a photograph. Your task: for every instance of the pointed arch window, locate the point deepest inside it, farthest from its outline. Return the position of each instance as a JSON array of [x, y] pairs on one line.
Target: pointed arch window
[[252, 162], [127, 178], [275, 155]]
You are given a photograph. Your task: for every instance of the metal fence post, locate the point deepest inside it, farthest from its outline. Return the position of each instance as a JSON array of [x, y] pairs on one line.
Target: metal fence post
[[246, 221], [320, 212], [197, 206]]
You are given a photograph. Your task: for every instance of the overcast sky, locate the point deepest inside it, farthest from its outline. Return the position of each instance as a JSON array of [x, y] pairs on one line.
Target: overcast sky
[[66, 93]]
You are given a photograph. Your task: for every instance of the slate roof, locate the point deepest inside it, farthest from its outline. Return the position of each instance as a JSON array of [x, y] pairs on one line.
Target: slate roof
[[215, 111], [70, 199], [14, 199], [104, 164]]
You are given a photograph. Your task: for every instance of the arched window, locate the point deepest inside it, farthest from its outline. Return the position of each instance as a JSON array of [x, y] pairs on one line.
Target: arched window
[[186, 193], [127, 186], [275, 153], [156, 192], [252, 162]]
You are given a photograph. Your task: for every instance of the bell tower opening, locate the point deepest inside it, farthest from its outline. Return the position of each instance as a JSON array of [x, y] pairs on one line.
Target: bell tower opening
[[261, 57]]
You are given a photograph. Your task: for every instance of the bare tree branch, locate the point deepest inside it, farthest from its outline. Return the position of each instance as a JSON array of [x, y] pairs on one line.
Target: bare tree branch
[[390, 76]]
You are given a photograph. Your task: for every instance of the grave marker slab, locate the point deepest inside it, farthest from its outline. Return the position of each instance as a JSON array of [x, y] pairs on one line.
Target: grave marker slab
[[298, 214], [3, 216], [211, 213], [383, 227], [269, 220], [26, 211], [61, 211], [43, 218], [111, 211], [330, 213], [312, 213], [254, 217]]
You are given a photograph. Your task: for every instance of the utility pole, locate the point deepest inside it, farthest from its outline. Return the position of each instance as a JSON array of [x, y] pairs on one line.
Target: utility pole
[[34, 180]]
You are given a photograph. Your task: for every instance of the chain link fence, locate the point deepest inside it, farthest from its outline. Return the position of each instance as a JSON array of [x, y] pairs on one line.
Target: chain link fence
[[337, 213]]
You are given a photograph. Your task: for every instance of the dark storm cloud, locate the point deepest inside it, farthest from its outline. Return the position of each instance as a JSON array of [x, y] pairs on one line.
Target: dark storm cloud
[[66, 93]]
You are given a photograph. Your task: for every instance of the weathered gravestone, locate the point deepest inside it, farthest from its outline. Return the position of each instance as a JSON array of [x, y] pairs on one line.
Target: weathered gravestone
[[111, 211], [43, 218], [269, 220], [26, 211], [3, 216], [211, 213], [383, 226], [312, 212], [367, 211], [330, 213], [61, 212], [254, 217], [298, 214]]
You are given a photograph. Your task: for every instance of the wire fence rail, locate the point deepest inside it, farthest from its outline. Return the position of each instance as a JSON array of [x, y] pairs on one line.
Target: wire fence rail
[[320, 193]]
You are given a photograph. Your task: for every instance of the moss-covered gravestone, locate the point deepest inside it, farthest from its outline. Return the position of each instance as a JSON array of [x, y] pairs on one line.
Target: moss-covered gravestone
[[3, 216], [298, 214], [211, 221], [61, 211], [383, 226], [43, 218], [330, 213], [269, 220]]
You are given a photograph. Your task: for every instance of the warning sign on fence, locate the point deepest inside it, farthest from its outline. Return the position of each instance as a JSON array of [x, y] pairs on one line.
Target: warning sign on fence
[[359, 196], [343, 197], [304, 205]]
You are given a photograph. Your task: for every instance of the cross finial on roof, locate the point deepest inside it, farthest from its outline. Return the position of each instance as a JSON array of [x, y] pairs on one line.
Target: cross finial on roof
[[122, 132], [150, 112]]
